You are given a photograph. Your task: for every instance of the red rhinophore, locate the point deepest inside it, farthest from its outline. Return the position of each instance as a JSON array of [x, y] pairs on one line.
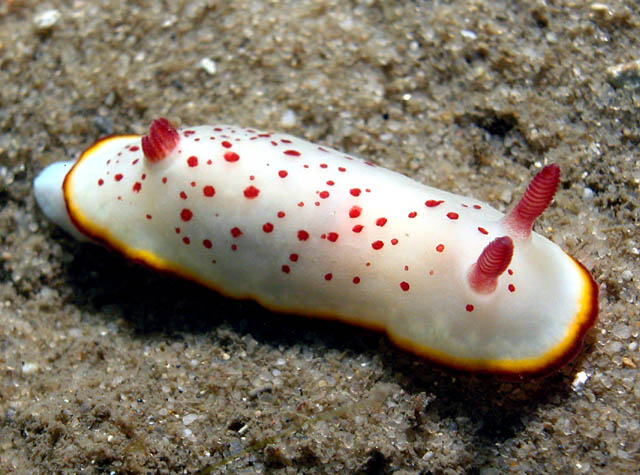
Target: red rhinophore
[[493, 261], [161, 140], [535, 200]]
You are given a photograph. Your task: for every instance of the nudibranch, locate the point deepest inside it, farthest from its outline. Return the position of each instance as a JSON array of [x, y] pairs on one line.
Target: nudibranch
[[305, 229]]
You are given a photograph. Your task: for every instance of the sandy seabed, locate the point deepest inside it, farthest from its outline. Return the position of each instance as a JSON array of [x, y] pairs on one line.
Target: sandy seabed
[[108, 368]]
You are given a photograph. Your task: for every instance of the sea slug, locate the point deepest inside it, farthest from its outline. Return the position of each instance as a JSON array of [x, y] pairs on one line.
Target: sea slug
[[306, 229]]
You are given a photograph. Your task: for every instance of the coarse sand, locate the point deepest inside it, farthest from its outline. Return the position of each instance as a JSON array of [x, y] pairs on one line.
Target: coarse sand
[[106, 367]]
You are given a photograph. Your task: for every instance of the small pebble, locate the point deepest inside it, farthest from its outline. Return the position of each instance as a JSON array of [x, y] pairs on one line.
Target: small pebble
[[28, 368], [288, 119], [189, 418], [579, 380], [208, 65], [506, 196], [587, 193], [46, 19], [470, 35], [624, 74]]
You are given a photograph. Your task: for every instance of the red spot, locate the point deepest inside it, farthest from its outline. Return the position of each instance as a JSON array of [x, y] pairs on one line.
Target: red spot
[[234, 247], [236, 232], [452, 215], [482, 230], [100, 182], [177, 230], [510, 272], [206, 243], [355, 211], [144, 175], [186, 240], [183, 195], [324, 195], [282, 173], [286, 269], [440, 247], [469, 307], [381, 222], [137, 186], [377, 245], [433, 203], [303, 235], [186, 215], [164, 179], [355, 191], [357, 228], [231, 157], [293, 257], [148, 216], [285, 140], [323, 165], [406, 267], [323, 236], [193, 184], [342, 169], [135, 161], [226, 144], [292, 153], [404, 286], [301, 204], [209, 162], [251, 192], [511, 287], [317, 203], [187, 133], [330, 182], [251, 177], [118, 177], [356, 280], [135, 148], [413, 214], [281, 214], [208, 191], [192, 161], [333, 237], [477, 207], [328, 276], [394, 241], [267, 227]]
